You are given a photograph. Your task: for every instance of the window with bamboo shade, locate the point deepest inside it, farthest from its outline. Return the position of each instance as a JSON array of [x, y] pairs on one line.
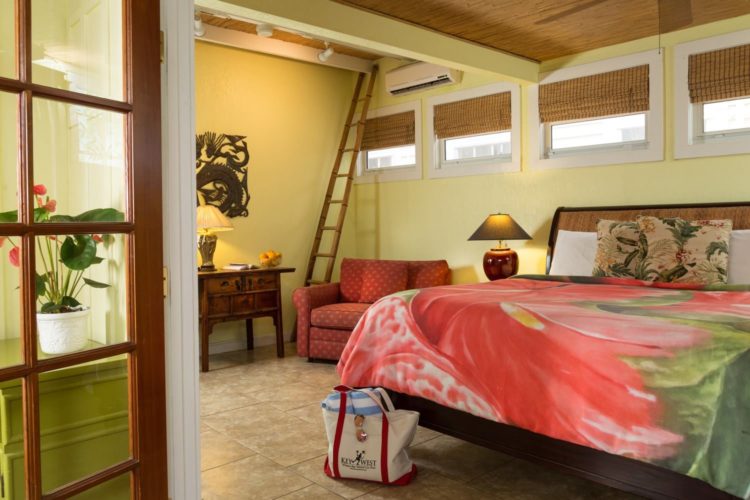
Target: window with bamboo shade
[[475, 131], [601, 113], [712, 96]]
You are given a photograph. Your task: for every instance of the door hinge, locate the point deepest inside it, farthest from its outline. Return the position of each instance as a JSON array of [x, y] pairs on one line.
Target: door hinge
[[165, 281], [161, 46]]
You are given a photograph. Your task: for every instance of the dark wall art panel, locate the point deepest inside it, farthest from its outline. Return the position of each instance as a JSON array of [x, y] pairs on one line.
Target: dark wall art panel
[[221, 162]]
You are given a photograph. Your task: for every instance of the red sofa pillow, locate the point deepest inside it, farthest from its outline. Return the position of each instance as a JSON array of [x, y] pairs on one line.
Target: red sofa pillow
[[381, 278]]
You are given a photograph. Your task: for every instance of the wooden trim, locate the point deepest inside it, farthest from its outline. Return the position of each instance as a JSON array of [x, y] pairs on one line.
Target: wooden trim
[[616, 471], [67, 96], [147, 327], [76, 358], [89, 482], [32, 436]]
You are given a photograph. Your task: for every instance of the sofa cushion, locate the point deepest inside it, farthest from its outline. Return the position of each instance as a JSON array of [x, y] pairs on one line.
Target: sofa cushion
[[367, 280], [427, 273], [327, 343], [343, 315]]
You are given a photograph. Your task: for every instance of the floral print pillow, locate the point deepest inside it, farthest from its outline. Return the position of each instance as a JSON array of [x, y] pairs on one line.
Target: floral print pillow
[[618, 252], [681, 251]]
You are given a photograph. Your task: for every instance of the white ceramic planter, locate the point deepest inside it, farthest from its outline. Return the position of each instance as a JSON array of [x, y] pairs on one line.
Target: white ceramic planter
[[62, 333]]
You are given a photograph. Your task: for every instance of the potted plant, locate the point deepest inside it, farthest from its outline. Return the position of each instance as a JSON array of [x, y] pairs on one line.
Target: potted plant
[[61, 318]]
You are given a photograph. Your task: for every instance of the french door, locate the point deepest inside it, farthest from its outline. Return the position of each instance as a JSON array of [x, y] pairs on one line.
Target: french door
[[82, 390]]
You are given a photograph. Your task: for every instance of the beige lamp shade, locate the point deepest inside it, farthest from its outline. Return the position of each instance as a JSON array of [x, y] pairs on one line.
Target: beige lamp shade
[[211, 220]]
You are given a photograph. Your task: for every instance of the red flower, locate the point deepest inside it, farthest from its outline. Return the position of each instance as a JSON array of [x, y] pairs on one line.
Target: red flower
[[14, 257], [2, 240], [40, 190], [97, 238], [51, 206]]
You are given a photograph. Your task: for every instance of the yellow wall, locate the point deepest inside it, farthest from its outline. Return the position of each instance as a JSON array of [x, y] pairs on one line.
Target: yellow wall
[[432, 218], [292, 114]]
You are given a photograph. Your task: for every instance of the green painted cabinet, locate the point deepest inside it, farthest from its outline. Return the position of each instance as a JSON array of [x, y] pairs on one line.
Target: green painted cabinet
[[84, 427]]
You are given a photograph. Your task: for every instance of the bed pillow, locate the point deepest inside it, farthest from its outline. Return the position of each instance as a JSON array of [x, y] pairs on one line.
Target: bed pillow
[[618, 253], [574, 253], [681, 251], [738, 272]]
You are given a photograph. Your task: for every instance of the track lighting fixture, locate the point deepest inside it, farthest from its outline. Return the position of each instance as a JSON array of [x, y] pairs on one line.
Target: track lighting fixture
[[198, 28], [264, 30], [325, 54]]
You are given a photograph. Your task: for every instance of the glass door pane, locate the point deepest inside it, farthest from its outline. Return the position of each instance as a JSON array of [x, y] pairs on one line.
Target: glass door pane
[[77, 45], [7, 39], [10, 302], [8, 155]]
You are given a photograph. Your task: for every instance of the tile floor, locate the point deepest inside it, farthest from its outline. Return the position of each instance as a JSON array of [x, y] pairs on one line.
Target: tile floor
[[262, 437]]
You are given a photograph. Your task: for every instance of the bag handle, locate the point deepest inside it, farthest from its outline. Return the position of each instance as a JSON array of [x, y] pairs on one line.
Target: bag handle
[[342, 389]]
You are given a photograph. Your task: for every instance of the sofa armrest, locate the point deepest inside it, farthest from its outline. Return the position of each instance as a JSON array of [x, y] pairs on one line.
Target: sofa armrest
[[305, 300]]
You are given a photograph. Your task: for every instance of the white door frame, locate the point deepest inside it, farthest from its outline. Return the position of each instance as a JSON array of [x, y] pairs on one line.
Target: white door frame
[[181, 303]]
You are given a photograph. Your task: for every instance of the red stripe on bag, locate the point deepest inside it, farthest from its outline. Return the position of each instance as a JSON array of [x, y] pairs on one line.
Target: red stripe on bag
[[339, 432], [384, 451]]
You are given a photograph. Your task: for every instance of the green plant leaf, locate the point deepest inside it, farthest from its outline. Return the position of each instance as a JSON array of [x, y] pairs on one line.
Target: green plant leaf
[[61, 218], [101, 215], [68, 301], [99, 260], [95, 284], [50, 308], [9, 217], [41, 285], [78, 252]]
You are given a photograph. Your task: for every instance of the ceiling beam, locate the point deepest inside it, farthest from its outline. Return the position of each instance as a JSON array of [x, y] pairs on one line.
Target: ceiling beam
[[247, 41], [340, 23]]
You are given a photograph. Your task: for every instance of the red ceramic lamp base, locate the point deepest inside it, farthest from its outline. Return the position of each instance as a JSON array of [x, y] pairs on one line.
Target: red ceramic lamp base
[[500, 263]]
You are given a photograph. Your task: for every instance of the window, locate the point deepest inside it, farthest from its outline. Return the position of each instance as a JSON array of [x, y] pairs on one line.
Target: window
[[603, 113], [472, 131], [390, 149], [712, 96]]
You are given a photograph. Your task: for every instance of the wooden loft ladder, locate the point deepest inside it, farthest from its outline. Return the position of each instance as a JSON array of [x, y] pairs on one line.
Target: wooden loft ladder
[[327, 236]]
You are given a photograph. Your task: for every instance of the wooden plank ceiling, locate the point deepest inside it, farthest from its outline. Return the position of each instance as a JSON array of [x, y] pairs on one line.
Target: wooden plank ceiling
[[285, 36], [546, 29]]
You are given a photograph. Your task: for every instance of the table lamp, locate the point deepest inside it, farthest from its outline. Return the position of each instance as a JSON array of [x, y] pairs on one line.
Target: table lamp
[[210, 221], [500, 262]]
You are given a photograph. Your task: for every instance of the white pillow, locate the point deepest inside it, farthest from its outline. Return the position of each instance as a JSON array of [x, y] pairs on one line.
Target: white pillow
[[738, 270], [574, 253]]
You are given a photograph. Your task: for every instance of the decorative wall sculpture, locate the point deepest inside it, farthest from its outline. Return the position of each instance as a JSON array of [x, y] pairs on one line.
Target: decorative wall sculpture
[[221, 168]]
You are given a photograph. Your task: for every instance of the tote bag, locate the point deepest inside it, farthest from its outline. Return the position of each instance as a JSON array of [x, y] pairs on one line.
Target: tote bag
[[367, 440]]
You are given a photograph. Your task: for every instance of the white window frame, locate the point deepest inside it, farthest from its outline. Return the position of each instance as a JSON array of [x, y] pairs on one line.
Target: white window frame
[[439, 168], [635, 152], [391, 174], [689, 141]]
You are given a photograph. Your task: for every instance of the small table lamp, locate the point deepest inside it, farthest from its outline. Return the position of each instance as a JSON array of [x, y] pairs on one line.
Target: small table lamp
[[500, 262], [210, 221]]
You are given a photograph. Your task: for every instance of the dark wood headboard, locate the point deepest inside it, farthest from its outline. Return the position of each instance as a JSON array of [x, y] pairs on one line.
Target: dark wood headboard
[[585, 218]]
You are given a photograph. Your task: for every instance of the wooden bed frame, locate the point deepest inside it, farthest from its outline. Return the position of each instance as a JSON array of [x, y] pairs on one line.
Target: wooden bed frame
[[612, 470]]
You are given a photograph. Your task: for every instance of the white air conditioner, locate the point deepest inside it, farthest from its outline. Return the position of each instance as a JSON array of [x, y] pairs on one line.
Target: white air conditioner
[[419, 76]]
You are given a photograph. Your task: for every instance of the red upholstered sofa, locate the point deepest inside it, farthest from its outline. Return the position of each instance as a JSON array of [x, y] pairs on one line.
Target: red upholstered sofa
[[327, 314]]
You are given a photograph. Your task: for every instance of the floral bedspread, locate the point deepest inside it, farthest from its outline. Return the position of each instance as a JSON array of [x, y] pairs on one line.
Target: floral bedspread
[[656, 373]]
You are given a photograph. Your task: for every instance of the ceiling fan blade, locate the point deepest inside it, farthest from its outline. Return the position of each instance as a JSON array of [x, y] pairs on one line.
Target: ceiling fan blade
[[570, 11], [674, 14]]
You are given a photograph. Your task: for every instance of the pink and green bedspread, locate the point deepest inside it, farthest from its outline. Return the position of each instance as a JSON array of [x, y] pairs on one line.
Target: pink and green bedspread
[[659, 373]]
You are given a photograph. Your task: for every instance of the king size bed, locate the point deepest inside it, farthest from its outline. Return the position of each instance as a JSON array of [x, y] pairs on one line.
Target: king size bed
[[638, 385]]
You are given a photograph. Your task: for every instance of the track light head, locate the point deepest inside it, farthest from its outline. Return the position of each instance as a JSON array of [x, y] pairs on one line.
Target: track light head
[[326, 53], [198, 28], [264, 30]]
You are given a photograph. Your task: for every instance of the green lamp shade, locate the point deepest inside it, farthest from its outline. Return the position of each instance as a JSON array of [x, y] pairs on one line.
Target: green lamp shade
[[499, 227]]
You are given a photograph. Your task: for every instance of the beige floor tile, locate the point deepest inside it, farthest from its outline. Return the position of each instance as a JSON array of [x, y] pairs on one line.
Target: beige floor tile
[[289, 444], [217, 449], [249, 421], [215, 399], [347, 488], [312, 413], [289, 396], [429, 486], [523, 480], [253, 477], [424, 434], [312, 492], [455, 459]]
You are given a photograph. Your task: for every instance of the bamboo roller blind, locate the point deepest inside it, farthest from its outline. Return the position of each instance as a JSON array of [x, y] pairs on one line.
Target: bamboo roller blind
[[389, 131], [479, 115], [719, 74], [613, 93]]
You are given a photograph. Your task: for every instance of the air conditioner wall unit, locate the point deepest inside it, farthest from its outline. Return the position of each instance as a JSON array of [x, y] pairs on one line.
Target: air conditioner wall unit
[[419, 76]]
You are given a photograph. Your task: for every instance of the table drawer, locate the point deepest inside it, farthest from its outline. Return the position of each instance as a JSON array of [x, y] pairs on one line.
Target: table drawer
[[265, 300], [243, 304], [260, 282], [218, 306], [223, 285]]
